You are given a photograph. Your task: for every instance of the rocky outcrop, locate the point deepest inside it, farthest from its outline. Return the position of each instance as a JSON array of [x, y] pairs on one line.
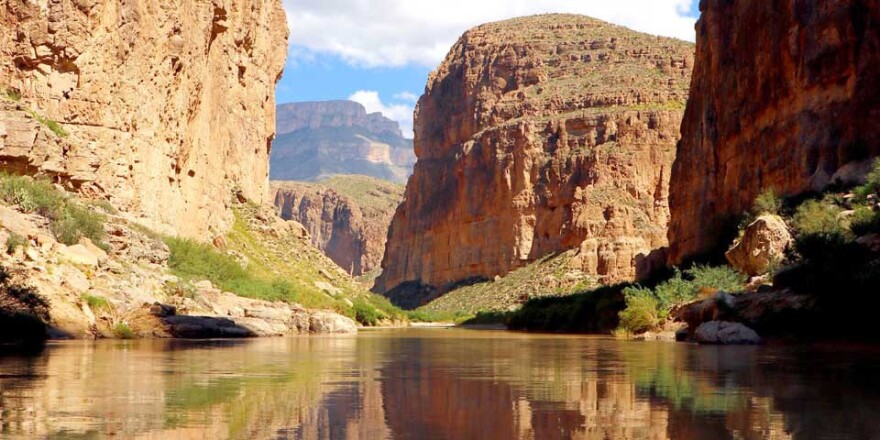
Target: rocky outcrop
[[320, 139], [347, 217], [161, 107], [725, 333], [535, 136], [784, 94], [762, 245], [123, 287]]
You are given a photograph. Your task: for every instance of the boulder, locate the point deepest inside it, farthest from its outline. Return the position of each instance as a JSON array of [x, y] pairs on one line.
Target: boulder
[[78, 254], [331, 323], [763, 243], [725, 333]]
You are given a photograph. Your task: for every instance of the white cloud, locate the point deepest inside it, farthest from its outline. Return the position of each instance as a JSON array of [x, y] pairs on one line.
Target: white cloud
[[400, 112], [406, 96], [393, 33]]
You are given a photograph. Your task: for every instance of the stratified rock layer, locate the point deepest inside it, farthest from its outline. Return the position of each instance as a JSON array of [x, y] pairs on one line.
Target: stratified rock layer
[[347, 217], [784, 94], [168, 104], [538, 135], [320, 139]]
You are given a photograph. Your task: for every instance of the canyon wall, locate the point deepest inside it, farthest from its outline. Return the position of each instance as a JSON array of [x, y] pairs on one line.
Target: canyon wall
[[162, 107], [321, 139], [538, 135], [347, 217], [785, 96]]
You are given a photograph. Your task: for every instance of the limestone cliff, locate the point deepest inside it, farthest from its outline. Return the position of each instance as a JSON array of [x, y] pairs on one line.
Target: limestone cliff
[[347, 217], [538, 135], [162, 107], [785, 95], [320, 139]]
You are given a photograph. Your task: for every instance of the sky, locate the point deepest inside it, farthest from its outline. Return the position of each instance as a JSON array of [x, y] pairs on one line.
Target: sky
[[380, 52]]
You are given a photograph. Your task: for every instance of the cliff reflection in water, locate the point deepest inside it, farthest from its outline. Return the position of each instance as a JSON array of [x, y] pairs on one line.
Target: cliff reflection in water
[[443, 384]]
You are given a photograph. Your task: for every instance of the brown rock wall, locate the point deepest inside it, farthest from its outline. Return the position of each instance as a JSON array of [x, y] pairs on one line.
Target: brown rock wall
[[784, 94], [168, 105]]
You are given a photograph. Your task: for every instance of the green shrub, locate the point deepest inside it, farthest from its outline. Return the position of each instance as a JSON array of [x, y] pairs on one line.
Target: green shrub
[[865, 221], [643, 312], [123, 331], [366, 314], [872, 183], [675, 291], [817, 217], [32, 196], [14, 241], [723, 278], [767, 203], [97, 303], [193, 259], [76, 222], [68, 220], [53, 126], [12, 95]]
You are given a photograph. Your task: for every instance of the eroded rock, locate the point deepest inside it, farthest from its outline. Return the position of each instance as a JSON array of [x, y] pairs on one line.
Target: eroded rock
[[763, 244], [725, 333], [532, 140]]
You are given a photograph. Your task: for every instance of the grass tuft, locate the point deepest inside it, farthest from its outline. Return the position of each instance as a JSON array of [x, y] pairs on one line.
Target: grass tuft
[[68, 220]]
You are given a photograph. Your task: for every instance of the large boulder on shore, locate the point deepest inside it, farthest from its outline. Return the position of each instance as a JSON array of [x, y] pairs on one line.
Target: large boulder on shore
[[725, 333], [763, 243]]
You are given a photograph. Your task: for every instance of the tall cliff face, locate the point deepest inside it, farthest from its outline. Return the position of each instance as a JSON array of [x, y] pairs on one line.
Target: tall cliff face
[[784, 95], [320, 139], [347, 217], [538, 135], [168, 105]]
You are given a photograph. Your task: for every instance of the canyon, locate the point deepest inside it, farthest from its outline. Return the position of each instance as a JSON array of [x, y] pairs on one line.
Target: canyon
[[791, 107], [160, 107], [535, 136], [317, 140], [347, 217]]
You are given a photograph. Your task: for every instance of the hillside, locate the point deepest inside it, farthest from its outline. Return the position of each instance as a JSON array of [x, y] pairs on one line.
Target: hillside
[[347, 217], [317, 140]]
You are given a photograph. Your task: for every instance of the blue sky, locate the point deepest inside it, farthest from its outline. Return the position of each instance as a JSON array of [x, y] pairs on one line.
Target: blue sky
[[380, 52]]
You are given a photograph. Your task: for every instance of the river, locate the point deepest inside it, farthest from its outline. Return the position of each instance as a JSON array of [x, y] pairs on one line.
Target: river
[[438, 384]]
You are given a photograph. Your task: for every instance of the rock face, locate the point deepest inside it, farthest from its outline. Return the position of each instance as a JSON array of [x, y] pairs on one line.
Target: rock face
[[347, 217], [161, 107], [535, 136], [780, 106], [321, 139], [763, 244]]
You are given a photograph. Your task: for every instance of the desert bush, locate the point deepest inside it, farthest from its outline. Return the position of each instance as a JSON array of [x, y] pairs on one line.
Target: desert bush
[[768, 202], [817, 217], [193, 259], [68, 220], [123, 331], [865, 221], [366, 314], [872, 183], [643, 310], [723, 278], [76, 222], [96, 303], [14, 241]]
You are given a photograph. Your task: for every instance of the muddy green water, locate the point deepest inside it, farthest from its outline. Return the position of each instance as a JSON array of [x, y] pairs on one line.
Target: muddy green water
[[438, 384]]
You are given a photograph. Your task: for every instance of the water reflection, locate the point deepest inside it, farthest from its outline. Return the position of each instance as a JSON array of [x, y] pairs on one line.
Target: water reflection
[[438, 384]]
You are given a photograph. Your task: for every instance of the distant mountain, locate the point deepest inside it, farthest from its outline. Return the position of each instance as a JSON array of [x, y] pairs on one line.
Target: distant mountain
[[316, 140]]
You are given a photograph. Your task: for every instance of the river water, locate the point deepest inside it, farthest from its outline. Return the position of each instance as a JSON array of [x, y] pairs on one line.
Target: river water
[[438, 384]]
